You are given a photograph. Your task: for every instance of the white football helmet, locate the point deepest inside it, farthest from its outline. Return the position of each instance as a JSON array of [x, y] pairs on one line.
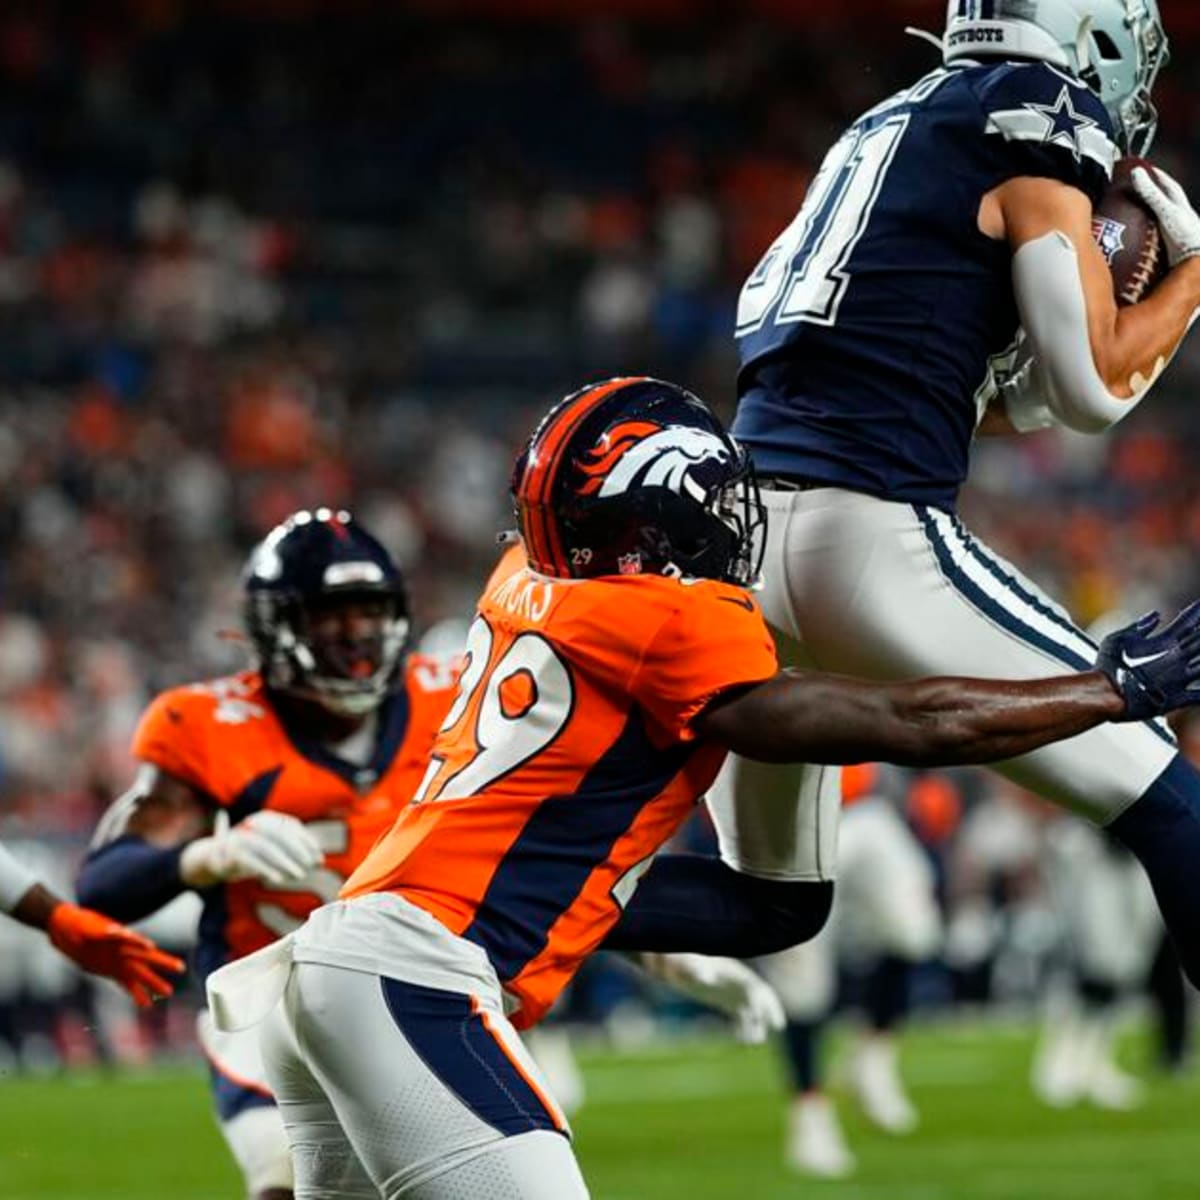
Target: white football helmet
[[1116, 47]]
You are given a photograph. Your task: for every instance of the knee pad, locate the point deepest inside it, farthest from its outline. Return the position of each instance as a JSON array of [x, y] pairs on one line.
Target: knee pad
[[786, 913]]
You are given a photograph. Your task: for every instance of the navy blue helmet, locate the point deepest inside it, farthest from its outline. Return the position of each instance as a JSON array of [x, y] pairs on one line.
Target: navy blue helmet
[[306, 567], [638, 476]]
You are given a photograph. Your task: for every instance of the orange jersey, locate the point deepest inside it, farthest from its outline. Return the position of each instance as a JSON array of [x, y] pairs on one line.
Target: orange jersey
[[225, 739], [566, 761]]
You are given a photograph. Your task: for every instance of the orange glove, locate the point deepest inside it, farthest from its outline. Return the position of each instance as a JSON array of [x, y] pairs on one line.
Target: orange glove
[[105, 947]]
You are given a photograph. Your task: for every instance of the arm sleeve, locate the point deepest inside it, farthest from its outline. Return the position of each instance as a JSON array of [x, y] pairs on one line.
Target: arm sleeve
[[15, 881], [1038, 121], [129, 879], [1053, 310], [714, 640]]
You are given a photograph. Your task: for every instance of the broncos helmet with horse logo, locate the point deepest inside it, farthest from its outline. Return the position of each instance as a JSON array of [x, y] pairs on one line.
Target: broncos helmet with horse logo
[[638, 476]]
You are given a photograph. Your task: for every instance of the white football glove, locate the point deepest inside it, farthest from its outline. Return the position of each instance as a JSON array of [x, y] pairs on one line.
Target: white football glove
[[1177, 218], [725, 984], [269, 846]]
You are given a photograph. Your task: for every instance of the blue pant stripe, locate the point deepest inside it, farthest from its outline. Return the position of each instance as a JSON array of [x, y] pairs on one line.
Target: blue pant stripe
[[999, 571], [452, 1041], [991, 606]]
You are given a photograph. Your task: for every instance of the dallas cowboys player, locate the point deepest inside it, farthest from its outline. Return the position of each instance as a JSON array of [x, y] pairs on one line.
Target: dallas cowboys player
[[880, 333]]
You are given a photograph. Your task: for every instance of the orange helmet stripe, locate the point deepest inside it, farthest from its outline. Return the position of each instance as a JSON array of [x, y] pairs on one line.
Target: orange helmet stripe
[[542, 470]]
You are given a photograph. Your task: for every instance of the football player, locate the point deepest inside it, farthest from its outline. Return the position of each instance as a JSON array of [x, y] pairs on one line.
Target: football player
[[262, 791], [615, 658], [93, 941], [877, 336]]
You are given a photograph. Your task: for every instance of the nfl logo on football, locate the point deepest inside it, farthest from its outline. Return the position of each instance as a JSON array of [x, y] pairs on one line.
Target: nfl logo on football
[[1110, 237]]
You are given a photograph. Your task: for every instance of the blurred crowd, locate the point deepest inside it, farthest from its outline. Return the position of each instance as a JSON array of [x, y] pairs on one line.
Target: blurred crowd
[[250, 264]]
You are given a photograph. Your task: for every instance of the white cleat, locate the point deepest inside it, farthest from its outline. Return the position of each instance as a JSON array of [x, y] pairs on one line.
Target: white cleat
[[1110, 1087], [815, 1145], [1057, 1076], [875, 1081]]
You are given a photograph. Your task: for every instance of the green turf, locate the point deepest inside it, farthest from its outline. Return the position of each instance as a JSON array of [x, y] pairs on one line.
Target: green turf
[[688, 1121]]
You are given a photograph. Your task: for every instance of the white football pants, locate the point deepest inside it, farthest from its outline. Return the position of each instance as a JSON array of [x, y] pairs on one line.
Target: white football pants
[[390, 1089], [887, 591]]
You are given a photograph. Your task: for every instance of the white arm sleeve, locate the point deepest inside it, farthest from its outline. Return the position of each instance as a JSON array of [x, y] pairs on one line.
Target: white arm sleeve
[[15, 881], [1053, 311]]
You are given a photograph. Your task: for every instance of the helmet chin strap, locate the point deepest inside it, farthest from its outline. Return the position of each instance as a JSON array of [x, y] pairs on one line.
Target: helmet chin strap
[[925, 36], [1083, 57]]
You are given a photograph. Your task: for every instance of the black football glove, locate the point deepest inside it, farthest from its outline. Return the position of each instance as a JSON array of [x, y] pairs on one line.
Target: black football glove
[[1154, 672]]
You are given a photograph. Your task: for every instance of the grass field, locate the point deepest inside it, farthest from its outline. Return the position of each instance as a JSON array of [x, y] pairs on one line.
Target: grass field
[[686, 1121]]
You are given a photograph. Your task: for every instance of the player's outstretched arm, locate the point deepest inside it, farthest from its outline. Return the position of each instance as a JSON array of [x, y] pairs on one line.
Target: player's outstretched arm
[[93, 941], [1097, 359], [163, 837], [813, 717]]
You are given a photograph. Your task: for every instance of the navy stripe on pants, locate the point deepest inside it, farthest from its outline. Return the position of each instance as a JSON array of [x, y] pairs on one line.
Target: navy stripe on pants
[[449, 1035]]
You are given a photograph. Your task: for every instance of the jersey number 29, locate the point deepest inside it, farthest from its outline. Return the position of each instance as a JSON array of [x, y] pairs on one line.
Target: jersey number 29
[[516, 709]]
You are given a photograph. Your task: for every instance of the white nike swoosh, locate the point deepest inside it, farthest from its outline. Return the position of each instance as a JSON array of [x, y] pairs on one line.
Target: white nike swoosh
[[1141, 662]]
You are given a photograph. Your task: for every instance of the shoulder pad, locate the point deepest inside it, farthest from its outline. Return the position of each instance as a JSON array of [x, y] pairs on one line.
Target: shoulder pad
[[1037, 107]]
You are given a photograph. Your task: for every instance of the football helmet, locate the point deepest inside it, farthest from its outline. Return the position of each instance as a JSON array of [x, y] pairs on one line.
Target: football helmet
[[1116, 47], [305, 565], [637, 476]]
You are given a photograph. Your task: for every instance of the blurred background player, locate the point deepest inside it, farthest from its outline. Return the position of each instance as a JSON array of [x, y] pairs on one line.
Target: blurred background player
[[885, 920], [93, 941], [1110, 934], [948, 229], [263, 790], [615, 656]]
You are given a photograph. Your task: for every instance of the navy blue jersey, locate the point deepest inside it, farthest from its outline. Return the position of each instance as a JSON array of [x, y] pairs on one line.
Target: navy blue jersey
[[868, 330]]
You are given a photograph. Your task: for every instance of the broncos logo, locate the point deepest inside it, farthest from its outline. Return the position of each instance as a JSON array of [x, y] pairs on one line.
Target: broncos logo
[[642, 454]]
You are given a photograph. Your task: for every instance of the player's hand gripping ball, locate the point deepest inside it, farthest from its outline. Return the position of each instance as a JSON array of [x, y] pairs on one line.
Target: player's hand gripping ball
[[1128, 233]]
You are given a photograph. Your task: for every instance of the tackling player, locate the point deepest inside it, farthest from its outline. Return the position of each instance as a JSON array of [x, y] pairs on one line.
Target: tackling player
[[94, 942], [610, 667], [262, 791], [879, 334], [265, 790]]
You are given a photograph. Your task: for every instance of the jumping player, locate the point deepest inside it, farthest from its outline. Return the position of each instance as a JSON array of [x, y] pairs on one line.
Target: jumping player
[[879, 334], [92, 941], [611, 665]]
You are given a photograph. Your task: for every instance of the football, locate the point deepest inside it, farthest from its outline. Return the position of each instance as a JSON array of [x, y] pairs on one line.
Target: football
[[1128, 235]]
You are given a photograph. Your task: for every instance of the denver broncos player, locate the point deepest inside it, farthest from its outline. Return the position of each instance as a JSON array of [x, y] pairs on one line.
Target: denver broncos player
[[880, 333], [264, 790], [611, 665]]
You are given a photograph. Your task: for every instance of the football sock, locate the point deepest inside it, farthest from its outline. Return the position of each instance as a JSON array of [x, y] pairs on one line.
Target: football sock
[[1171, 1004], [886, 996], [801, 1047], [1162, 828]]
